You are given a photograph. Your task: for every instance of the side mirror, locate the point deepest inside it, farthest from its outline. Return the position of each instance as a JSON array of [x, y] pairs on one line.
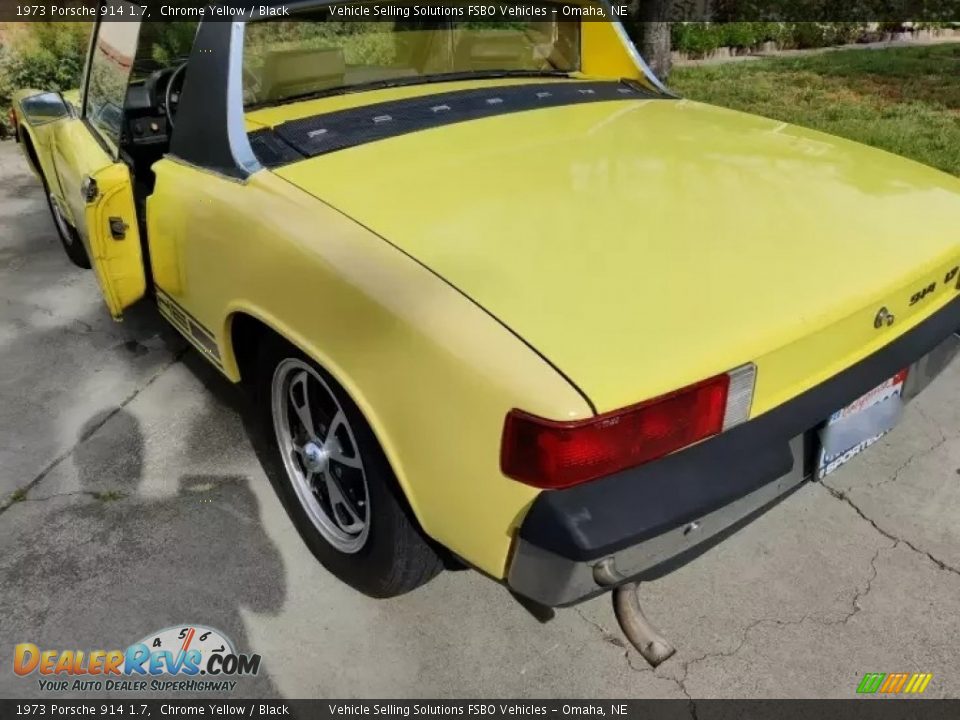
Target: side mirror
[[45, 108]]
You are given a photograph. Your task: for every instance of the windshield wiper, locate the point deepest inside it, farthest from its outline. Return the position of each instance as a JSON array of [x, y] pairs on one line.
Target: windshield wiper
[[407, 81]]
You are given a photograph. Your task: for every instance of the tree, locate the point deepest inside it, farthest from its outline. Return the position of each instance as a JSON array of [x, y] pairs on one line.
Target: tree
[[653, 32]]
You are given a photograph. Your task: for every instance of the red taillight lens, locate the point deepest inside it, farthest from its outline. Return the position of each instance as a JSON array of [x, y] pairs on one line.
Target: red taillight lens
[[553, 455]]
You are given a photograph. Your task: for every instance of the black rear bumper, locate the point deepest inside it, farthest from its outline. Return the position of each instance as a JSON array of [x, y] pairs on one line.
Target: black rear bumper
[[599, 519]]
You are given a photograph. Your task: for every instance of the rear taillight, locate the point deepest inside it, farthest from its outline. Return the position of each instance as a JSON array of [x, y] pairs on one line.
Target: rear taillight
[[13, 122], [550, 454]]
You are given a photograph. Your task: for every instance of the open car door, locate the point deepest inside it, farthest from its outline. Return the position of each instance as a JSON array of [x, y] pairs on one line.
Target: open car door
[[99, 181], [114, 238]]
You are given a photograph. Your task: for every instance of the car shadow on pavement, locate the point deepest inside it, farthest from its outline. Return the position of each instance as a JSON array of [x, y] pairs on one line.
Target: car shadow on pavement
[[106, 570], [60, 363]]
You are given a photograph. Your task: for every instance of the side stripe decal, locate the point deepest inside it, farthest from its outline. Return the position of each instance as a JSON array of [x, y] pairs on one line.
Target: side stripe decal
[[189, 327]]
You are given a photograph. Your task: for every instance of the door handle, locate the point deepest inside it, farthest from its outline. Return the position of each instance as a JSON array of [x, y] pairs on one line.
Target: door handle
[[89, 190], [118, 228]]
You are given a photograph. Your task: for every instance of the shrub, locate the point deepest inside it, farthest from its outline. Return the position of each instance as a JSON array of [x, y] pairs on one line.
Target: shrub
[[47, 56], [748, 34], [695, 38], [891, 27], [169, 41], [698, 39], [802, 35]]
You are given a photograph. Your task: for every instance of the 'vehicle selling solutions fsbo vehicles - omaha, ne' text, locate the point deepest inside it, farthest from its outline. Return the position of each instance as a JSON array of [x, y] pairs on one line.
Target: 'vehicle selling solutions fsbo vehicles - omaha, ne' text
[[498, 294]]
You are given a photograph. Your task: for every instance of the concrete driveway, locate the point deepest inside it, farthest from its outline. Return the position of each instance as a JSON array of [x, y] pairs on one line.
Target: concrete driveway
[[138, 504]]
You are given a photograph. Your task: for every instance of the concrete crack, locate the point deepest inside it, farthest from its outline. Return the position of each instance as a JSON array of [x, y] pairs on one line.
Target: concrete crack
[[105, 496], [613, 639], [923, 414], [629, 658], [685, 667], [19, 495], [856, 607], [859, 595], [603, 631], [842, 496], [682, 684], [908, 462]]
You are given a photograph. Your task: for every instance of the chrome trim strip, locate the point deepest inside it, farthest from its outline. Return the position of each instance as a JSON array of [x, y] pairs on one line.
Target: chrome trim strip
[[632, 49], [236, 124]]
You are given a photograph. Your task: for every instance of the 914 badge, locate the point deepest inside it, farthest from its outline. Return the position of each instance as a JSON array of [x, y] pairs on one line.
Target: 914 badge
[[922, 293]]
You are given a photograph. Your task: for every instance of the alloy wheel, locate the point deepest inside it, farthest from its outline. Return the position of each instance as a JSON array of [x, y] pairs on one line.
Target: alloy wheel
[[62, 225], [321, 455]]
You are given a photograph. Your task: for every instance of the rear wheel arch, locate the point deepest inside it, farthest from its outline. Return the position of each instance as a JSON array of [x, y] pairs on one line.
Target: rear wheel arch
[[246, 333], [45, 168], [66, 231], [26, 137]]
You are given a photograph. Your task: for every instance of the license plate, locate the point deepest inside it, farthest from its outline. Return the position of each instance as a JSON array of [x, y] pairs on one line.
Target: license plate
[[853, 429]]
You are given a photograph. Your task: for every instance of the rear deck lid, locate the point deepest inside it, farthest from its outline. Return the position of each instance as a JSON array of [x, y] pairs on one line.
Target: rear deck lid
[[644, 244]]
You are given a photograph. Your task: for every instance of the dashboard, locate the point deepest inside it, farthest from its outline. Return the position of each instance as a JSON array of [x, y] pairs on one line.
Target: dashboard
[[146, 115], [145, 121]]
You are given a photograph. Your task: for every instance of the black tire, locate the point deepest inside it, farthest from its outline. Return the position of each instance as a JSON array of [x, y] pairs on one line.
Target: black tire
[[69, 237], [396, 556]]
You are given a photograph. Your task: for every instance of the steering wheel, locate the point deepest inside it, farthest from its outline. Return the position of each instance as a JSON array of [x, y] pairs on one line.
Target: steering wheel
[[168, 100]]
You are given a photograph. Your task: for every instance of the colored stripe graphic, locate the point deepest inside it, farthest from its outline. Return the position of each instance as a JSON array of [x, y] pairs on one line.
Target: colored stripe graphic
[[870, 683], [922, 680], [894, 683], [888, 684]]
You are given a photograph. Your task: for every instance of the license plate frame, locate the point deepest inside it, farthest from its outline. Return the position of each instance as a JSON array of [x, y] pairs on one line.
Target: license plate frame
[[857, 426]]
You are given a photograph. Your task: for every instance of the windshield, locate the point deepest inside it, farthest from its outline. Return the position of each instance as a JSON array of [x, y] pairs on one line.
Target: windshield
[[162, 45], [287, 60]]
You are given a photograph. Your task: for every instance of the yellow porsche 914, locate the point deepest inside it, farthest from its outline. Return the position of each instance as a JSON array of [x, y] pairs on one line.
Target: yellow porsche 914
[[499, 295]]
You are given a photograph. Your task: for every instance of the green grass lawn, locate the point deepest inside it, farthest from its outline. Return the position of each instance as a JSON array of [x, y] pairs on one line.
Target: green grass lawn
[[905, 100]]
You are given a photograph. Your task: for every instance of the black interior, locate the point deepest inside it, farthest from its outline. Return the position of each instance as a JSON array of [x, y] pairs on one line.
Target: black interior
[[146, 127], [145, 139]]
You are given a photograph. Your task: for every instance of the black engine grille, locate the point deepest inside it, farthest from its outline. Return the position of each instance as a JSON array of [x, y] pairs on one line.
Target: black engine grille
[[329, 132]]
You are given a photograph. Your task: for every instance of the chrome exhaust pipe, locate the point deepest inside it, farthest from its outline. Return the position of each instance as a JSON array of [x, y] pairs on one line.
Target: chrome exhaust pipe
[[626, 606]]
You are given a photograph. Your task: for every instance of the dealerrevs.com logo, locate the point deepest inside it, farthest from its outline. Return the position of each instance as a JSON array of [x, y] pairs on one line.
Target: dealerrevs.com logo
[[184, 658]]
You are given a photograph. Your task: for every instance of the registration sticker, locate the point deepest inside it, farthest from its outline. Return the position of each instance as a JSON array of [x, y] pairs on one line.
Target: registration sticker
[[853, 429]]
